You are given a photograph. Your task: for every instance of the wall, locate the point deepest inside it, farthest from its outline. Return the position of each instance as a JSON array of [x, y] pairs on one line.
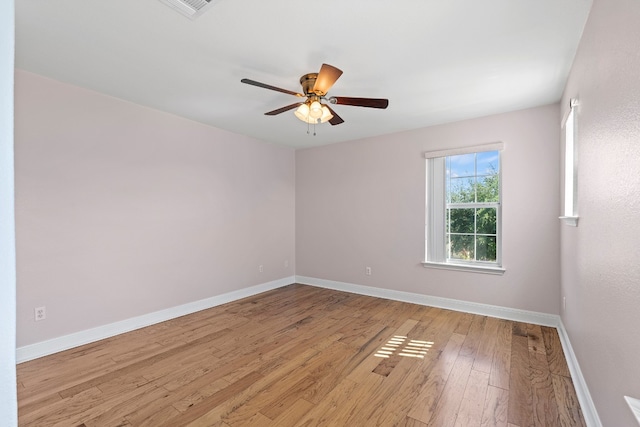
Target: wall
[[8, 402], [600, 269], [362, 203], [122, 210]]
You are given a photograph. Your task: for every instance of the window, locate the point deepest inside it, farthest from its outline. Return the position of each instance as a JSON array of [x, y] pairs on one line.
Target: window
[[464, 209], [570, 214]]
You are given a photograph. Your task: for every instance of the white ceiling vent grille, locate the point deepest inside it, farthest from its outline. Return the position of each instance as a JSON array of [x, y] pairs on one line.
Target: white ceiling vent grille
[[190, 8]]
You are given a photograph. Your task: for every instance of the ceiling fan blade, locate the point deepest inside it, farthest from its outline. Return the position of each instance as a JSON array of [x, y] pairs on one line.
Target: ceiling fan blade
[[283, 109], [336, 119], [266, 86], [326, 78], [361, 102]]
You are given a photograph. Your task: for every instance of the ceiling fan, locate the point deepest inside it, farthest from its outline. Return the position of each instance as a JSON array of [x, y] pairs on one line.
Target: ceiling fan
[[315, 87]]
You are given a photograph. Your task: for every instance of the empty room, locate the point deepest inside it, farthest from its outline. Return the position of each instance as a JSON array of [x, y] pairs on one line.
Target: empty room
[[250, 213]]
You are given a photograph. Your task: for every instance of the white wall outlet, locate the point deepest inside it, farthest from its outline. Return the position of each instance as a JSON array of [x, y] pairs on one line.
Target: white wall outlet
[[261, 268], [286, 263], [367, 271], [564, 304], [40, 313]]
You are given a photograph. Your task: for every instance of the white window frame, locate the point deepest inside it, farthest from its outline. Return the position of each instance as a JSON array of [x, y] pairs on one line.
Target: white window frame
[[435, 245], [570, 212]]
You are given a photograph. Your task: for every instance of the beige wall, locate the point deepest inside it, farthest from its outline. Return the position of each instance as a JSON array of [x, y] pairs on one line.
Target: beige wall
[[600, 268], [123, 210], [362, 203]]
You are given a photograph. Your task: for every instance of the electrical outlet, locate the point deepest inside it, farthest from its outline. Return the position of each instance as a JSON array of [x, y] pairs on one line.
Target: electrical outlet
[[564, 304], [286, 263], [40, 313], [367, 271], [261, 268]]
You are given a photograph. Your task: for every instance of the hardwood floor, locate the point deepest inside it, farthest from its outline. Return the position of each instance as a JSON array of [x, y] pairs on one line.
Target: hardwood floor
[[305, 356]]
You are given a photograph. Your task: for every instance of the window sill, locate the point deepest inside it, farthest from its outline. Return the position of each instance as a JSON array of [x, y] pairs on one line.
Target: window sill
[[570, 220], [465, 267]]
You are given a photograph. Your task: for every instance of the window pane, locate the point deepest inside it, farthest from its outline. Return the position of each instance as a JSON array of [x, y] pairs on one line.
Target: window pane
[[488, 188], [460, 220], [463, 165], [486, 221], [460, 190], [488, 163], [486, 248], [461, 247]]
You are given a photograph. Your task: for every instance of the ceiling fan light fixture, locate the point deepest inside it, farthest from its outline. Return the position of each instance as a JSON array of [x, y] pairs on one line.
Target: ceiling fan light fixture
[[315, 110], [305, 113], [302, 112], [326, 115]]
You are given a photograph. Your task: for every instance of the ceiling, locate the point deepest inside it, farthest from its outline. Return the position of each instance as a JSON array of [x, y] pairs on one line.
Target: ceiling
[[436, 61]]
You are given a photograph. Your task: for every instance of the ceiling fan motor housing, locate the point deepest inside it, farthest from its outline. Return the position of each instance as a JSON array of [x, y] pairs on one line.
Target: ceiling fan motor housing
[[308, 81]]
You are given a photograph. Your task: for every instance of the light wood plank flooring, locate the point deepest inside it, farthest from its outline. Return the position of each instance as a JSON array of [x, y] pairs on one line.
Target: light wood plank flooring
[[306, 356]]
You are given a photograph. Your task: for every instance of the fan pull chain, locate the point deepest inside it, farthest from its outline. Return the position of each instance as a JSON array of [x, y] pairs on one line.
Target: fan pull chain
[[309, 128]]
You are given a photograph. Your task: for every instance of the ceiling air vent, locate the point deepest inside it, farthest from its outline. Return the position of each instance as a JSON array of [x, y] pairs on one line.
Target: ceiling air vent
[[190, 8]]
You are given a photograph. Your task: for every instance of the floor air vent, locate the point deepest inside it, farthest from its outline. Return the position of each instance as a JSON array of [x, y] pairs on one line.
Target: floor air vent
[[190, 8]]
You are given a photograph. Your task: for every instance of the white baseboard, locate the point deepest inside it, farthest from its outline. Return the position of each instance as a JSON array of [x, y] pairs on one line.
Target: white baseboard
[[534, 317], [584, 397], [55, 345]]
